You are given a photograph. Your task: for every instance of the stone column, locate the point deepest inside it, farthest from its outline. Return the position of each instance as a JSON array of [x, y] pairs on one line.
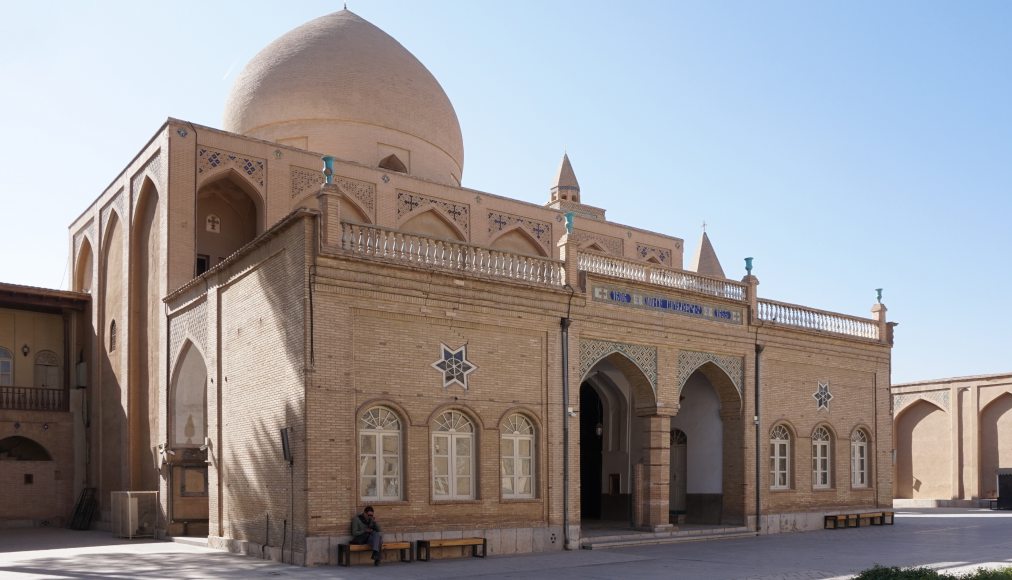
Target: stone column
[[568, 254], [753, 297], [330, 197], [656, 486], [878, 312]]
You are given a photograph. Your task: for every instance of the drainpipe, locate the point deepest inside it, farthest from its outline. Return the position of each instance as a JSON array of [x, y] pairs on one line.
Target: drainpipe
[[564, 323], [758, 463]]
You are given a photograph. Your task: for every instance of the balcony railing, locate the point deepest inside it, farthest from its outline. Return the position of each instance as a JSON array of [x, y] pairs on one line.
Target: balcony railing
[[453, 256], [32, 399], [811, 319], [680, 279]]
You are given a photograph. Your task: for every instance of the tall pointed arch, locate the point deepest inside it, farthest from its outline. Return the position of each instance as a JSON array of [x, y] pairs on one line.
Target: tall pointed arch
[[188, 398], [144, 320], [84, 267]]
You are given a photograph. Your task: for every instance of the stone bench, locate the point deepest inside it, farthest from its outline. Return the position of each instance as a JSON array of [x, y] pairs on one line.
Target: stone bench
[[424, 546]]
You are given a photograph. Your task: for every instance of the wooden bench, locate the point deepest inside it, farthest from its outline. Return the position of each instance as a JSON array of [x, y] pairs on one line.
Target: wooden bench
[[344, 551], [832, 522], [424, 546]]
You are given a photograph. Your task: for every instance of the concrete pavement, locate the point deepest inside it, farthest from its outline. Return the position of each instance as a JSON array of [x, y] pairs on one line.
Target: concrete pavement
[[949, 539]]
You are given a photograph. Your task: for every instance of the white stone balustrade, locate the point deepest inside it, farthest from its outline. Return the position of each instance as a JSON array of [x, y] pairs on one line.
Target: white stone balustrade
[[680, 279], [811, 319], [418, 250]]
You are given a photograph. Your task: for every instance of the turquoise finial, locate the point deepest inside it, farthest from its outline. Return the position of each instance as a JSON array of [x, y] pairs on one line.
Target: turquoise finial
[[748, 265], [328, 168], [878, 292], [569, 222]]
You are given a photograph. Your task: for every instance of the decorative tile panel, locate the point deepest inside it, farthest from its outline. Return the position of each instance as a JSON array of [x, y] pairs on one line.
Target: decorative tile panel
[[88, 231], [363, 191], [613, 246], [541, 231], [644, 357], [940, 398], [646, 252], [212, 160], [409, 204], [689, 361], [152, 168], [189, 324], [304, 181], [114, 206]]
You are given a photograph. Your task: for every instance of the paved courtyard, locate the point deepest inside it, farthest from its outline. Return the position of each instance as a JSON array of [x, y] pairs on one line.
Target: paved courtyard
[[948, 539]]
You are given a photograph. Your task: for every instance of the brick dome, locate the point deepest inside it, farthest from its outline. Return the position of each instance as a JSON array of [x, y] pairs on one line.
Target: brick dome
[[339, 85]]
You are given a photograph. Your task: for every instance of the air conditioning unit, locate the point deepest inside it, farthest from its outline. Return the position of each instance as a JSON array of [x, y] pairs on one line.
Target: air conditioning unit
[[134, 514]]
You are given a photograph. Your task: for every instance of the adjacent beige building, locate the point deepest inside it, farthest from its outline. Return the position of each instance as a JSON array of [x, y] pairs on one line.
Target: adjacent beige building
[[44, 336], [467, 363], [952, 436]]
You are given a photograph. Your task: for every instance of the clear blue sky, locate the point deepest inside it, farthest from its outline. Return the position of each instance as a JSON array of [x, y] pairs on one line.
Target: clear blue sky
[[846, 145]]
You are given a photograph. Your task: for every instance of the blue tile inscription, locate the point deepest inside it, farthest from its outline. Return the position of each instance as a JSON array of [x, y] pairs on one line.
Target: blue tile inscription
[[653, 302]]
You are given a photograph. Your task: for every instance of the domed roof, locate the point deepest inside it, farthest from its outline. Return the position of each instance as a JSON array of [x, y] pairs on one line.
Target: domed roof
[[339, 79]]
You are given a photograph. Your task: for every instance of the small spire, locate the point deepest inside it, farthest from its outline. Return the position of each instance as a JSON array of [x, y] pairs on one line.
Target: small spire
[[706, 262], [566, 187], [704, 226]]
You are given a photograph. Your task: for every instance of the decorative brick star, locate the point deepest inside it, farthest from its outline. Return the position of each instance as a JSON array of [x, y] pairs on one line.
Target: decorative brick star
[[823, 396], [454, 366]]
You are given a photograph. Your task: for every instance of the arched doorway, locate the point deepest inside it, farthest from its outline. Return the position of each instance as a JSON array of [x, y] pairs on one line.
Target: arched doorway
[[617, 417], [679, 471], [706, 450], [923, 458]]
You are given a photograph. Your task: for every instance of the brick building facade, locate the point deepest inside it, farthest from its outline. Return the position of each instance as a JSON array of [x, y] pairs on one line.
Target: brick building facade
[[466, 362]]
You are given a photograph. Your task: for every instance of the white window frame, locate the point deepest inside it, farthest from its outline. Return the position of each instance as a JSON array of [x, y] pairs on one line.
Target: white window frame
[[376, 425], [516, 429], [822, 458], [859, 459], [453, 430], [780, 458], [6, 368]]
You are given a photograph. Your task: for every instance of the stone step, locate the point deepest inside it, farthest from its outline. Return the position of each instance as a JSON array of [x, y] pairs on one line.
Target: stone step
[[190, 540], [675, 537]]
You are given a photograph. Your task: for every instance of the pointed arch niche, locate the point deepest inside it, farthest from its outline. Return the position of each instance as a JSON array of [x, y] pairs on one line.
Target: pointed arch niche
[[518, 241], [230, 214], [145, 266], [188, 398], [84, 268], [995, 442], [431, 223], [923, 452]]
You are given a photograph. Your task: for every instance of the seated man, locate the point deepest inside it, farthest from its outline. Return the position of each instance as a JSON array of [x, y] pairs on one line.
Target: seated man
[[366, 530]]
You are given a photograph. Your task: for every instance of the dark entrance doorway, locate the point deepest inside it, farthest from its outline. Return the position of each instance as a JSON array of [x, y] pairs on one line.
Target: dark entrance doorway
[[591, 421]]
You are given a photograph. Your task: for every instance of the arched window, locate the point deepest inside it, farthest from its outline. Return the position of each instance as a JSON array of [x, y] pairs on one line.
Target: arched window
[[112, 336], [47, 370], [780, 458], [6, 368], [379, 453], [393, 163], [821, 458], [453, 457], [859, 459], [517, 457]]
